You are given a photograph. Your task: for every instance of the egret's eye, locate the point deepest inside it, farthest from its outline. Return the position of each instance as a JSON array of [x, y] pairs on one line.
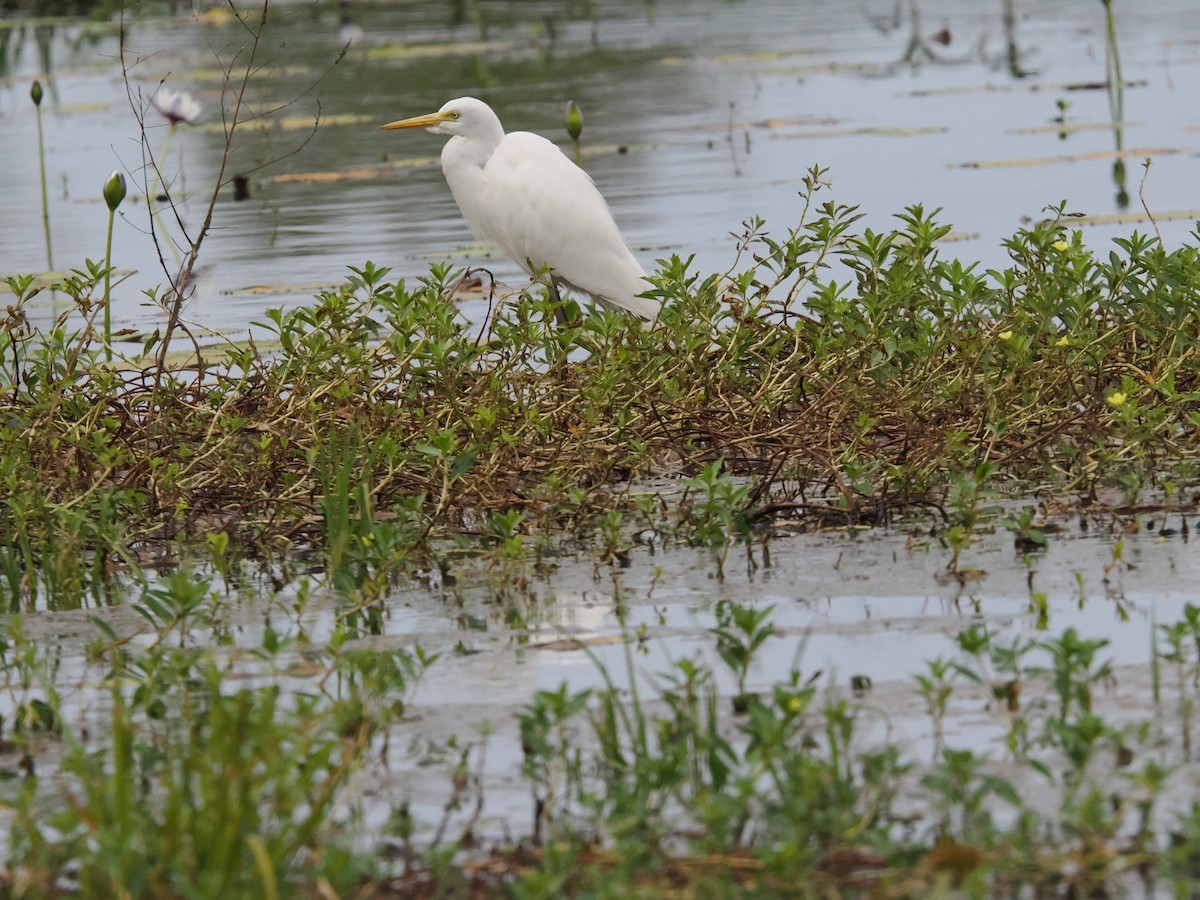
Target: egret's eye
[[455, 114]]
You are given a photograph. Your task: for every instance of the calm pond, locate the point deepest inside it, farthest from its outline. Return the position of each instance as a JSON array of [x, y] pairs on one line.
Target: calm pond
[[697, 116]]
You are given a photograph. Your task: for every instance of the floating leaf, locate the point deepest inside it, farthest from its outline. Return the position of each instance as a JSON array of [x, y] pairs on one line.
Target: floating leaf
[[358, 173], [322, 177], [759, 55], [424, 51], [1031, 87], [211, 354], [73, 108], [290, 123], [217, 16], [808, 122], [475, 249], [578, 643], [824, 68], [1072, 127], [1135, 218], [608, 149], [1064, 158], [259, 290], [868, 131]]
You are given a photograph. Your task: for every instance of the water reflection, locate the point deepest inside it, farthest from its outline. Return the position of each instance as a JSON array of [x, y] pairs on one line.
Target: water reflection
[[11, 38], [1114, 81], [1012, 48], [349, 34]]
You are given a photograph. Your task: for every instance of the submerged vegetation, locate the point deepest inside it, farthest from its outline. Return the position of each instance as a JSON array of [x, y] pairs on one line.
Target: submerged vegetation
[[831, 379]]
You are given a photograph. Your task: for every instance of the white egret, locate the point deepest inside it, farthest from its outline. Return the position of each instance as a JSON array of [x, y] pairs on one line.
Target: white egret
[[521, 193]]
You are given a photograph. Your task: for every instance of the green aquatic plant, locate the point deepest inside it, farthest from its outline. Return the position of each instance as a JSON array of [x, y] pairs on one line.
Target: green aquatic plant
[[741, 632], [935, 689], [1002, 668], [36, 94], [1027, 537], [964, 792], [172, 605], [719, 518], [1182, 652], [574, 121], [1114, 83], [1075, 671], [196, 785], [550, 751], [114, 193]]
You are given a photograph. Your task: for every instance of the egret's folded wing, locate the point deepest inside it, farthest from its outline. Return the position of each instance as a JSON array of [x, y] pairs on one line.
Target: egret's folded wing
[[543, 208]]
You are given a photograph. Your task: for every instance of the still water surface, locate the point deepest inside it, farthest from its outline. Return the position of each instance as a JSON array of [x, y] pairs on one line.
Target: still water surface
[[720, 107]]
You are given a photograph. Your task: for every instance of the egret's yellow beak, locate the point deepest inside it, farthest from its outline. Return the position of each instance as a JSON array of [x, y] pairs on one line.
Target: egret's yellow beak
[[429, 121]]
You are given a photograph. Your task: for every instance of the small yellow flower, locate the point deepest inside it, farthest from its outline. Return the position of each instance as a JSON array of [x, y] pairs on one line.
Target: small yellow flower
[[794, 704], [1005, 335], [1062, 246], [1063, 341], [1117, 399]]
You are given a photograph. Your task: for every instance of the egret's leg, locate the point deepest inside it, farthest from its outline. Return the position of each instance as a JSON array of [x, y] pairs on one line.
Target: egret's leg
[[560, 314]]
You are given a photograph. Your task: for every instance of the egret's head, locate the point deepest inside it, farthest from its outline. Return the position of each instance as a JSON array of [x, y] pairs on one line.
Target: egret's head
[[465, 116]]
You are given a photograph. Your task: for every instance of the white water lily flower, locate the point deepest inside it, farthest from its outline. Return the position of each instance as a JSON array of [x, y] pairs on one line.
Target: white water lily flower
[[176, 106]]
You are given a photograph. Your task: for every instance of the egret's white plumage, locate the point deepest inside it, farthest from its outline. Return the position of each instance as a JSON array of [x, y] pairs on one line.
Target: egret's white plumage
[[521, 193]]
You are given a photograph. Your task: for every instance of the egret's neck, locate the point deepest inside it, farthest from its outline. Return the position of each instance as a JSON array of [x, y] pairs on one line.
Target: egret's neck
[[473, 150], [463, 161]]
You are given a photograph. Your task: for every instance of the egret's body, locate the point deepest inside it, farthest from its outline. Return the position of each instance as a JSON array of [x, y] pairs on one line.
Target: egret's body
[[521, 193]]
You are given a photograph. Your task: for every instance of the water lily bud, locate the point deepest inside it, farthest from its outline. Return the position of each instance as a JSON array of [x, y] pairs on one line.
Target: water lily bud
[[114, 190], [35, 93], [574, 120]]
